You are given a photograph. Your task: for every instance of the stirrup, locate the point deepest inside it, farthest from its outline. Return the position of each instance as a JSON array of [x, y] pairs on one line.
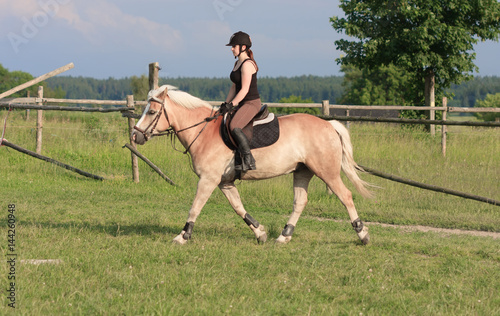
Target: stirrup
[[248, 162], [243, 167]]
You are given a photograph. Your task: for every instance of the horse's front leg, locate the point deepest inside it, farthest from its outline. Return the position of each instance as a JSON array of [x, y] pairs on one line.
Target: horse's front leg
[[203, 192], [231, 193]]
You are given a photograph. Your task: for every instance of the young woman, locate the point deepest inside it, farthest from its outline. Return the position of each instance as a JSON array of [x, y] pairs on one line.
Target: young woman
[[243, 94]]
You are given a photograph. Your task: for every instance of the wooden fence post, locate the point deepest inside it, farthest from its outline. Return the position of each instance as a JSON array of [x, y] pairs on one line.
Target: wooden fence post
[[153, 75], [28, 110], [39, 123], [325, 107], [131, 124], [444, 128]]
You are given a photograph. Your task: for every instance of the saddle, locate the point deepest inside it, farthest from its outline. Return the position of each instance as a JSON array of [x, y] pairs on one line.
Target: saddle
[[262, 131]]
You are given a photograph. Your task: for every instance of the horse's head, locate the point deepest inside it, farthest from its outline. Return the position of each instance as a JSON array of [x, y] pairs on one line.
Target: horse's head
[[154, 119]]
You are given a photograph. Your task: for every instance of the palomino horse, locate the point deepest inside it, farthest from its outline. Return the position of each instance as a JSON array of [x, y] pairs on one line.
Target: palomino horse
[[307, 146]]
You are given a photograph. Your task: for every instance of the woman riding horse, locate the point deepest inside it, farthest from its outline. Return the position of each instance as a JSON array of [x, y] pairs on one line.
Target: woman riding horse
[[244, 94], [307, 146]]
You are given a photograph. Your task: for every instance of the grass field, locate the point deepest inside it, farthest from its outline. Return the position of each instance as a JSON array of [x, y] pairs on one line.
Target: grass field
[[113, 238]]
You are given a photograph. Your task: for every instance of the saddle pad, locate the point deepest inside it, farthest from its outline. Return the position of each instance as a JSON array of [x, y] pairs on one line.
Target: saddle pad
[[265, 133]]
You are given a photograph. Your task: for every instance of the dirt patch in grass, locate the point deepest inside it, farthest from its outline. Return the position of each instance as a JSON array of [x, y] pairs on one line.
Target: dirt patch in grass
[[420, 228]]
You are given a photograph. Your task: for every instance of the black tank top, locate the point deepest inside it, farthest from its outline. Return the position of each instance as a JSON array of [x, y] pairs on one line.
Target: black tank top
[[253, 92]]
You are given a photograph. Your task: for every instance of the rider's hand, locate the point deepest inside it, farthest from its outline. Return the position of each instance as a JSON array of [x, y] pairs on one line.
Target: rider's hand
[[225, 107]]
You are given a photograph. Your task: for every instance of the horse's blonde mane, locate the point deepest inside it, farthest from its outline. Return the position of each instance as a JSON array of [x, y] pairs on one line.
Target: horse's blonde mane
[[180, 97]]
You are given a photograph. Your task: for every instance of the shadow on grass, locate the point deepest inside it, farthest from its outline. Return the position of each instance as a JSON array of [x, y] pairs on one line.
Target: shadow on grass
[[112, 229], [202, 231]]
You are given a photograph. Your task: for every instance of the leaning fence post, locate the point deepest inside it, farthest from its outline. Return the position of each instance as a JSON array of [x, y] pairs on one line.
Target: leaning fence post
[[39, 122], [444, 127], [36, 80], [131, 124]]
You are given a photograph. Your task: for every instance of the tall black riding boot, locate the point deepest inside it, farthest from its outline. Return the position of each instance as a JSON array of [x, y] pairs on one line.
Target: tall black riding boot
[[248, 162]]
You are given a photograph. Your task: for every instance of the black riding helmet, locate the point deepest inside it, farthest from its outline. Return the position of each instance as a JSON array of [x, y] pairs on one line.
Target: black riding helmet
[[240, 38]]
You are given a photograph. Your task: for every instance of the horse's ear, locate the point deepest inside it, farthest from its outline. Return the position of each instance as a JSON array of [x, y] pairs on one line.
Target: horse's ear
[[164, 93]]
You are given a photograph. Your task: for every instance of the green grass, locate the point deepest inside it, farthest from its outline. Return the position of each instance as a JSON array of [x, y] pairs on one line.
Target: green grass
[[114, 237]]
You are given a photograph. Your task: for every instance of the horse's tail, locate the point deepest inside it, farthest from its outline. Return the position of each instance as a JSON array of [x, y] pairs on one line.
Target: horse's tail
[[349, 166]]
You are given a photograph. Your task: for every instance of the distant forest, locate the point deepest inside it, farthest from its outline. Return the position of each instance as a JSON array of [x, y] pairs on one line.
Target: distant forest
[[313, 88]]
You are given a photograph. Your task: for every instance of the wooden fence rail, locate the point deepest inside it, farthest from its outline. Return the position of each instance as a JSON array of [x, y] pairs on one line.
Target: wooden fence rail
[[408, 121], [4, 142], [429, 186], [20, 102], [67, 108], [37, 80]]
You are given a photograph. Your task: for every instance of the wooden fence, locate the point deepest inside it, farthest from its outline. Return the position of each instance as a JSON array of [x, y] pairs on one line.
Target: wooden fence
[[39, 103], [127, 107]]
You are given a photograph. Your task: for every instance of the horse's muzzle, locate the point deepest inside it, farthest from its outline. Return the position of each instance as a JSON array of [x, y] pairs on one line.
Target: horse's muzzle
[[140, 137]]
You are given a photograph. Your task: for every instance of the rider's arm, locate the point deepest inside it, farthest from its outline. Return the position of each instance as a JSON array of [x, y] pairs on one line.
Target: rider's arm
[[231, 94]]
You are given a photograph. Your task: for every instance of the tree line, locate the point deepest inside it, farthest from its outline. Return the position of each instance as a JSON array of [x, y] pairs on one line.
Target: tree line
[[336, 89], [213, 89], [356, 87]]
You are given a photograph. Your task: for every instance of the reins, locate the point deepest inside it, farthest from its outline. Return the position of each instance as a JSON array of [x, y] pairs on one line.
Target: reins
[[170, 131]]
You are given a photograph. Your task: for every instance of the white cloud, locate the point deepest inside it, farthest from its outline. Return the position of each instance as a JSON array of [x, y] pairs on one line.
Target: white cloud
[[101, 23], [17, 8]]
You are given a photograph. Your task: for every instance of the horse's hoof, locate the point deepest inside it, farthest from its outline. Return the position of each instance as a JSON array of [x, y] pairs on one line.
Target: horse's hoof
[[179, 239], [366, 240], [262, 238], [283, 240], [364, 236], [261, 235]]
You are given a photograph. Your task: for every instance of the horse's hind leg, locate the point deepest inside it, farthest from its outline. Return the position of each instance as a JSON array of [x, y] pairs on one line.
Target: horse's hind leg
[[234, 199], [301, 179], [345, 196]]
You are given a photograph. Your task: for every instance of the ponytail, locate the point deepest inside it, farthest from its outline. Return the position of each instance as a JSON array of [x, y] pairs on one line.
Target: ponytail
[[250, 55]]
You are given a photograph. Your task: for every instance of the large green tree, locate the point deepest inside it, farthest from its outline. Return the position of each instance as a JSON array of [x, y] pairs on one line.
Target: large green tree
[[432, 40], [384, 85]]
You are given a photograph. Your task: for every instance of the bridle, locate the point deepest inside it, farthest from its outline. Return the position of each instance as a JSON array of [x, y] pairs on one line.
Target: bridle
[[171, 131], [155, 121]]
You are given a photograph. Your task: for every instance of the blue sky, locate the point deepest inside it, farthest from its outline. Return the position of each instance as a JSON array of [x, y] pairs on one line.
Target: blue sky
[[119, 38]]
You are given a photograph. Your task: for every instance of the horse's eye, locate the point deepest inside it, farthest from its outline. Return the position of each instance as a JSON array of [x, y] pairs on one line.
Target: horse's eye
[[152, 112]]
